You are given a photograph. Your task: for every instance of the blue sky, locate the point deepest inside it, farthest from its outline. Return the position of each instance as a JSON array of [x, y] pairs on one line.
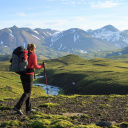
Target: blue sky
[[64, 14]]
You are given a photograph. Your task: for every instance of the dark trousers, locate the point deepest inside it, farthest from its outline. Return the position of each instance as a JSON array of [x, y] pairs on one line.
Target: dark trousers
[[27, 81]]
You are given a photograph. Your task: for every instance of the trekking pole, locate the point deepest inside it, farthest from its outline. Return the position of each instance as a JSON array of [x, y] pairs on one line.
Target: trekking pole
[[46, 83]]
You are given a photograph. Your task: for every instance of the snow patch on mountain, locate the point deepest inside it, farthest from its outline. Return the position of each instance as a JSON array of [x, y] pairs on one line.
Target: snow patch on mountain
[[36, 32], [126, 40], [10, 30], [107, 35], [11, 33], [2, 42], [25, 44], [45, 34], [51, 44], [49, 33], [56, 36], [35, 37], [83, 51], [73, 30], [12, 36], [76, 37], [42, 37], [60, 47]]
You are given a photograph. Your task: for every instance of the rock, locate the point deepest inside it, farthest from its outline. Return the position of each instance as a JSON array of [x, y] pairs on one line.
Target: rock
[[123, 125], [72, 114], [105, 123]]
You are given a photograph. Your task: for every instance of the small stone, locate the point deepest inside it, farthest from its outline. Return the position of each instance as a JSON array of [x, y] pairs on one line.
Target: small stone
[[104, 124]]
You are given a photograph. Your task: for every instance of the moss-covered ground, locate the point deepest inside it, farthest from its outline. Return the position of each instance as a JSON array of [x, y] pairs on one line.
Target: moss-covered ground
[[67, 111]]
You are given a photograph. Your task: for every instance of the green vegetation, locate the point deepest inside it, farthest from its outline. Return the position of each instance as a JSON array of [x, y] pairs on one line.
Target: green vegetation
[[5, 57], [81, 76], [76, 76], [49, 105], [11, 123]]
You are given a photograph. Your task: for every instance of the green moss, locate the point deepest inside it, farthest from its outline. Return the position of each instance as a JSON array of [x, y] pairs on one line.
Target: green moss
[[11, 123], [37, 116], [84, 116], [44, 123], [74, 117], [1, 100], [92, 126], [62, 124], [49, 105], [37, 124]]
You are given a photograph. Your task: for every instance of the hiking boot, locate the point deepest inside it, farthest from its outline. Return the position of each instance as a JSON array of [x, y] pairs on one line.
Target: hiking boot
[[18, 111], [31, 111]]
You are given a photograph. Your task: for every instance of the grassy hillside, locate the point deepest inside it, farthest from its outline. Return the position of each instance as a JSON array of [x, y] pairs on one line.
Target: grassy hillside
[[119, 57], [10, 84], [77, 75], [5, 57], [81, 76], [75, 111]]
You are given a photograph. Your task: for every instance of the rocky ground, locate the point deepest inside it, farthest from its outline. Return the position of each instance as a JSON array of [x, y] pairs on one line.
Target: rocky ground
[[81, 109]]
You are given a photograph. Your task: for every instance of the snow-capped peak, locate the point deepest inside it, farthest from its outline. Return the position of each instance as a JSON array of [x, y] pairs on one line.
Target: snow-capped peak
[[110, 28], [108, 33]]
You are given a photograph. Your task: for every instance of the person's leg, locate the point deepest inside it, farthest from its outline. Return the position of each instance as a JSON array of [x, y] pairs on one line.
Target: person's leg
[[28, 91], [27, 81], [20, 102], [17, 107]]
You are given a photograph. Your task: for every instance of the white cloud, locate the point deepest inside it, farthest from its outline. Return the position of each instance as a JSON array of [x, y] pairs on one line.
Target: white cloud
[[50, 0], [59, 24], [107, 16], [126, 18], [21, 14], [106, 4], [73, 2]]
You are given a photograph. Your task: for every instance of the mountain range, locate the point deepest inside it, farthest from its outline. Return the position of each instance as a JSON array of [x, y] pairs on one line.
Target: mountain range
[[53, 43]]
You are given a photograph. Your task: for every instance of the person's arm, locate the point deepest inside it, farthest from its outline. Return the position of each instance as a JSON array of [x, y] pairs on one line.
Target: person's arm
[[36, 66]]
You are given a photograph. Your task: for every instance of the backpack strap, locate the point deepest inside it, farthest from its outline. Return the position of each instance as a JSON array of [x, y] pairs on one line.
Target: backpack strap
[[19, 64]]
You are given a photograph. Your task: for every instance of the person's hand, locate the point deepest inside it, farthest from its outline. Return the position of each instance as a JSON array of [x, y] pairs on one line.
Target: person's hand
[[44, 64]]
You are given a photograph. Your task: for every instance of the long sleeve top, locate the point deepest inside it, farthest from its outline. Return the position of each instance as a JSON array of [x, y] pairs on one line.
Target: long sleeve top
[[32, 63]]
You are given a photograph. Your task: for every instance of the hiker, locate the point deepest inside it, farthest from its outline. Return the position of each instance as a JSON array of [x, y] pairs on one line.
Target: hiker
[[27, 80]]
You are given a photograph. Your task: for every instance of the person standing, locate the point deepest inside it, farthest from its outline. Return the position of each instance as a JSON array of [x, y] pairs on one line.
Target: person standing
[[27, 80]]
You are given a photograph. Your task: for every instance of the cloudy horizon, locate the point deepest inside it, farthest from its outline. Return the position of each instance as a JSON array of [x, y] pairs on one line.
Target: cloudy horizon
[[64, 14]]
